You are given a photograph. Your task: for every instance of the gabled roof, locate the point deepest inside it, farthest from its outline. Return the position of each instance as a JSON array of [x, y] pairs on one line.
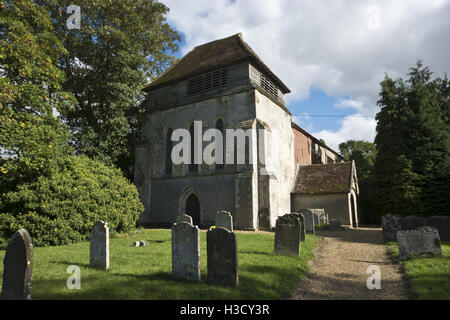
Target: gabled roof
[[214, 55], [325, 178]]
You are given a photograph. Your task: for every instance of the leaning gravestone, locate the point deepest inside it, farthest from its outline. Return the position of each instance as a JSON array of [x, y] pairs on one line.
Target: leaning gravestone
[[309, 220], [287, 235], [442, 224], [391, 224], [412, 222], [184, 218], [99, 245], [423, 241], [18, 267], [186, 251], [224, 219], [222, 254]]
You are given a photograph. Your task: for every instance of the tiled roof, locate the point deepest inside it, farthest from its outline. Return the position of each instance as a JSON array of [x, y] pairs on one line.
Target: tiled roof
[[210, 56], [324, 178]]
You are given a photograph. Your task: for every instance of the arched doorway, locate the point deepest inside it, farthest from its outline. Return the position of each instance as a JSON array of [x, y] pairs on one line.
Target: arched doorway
[[353, 211], [193, 208]]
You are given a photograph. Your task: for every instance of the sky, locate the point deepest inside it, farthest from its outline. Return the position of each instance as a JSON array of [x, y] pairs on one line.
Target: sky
[[332, 54]]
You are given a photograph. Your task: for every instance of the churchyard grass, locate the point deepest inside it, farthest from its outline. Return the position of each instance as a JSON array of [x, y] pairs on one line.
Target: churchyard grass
[[145, 272], [428, 278]]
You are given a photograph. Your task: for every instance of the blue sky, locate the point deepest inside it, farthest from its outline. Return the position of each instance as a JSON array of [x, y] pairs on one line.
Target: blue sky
[[331, 54]]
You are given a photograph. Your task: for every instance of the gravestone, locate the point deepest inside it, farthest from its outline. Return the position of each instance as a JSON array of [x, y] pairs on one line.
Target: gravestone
[[335, 224], [287, 235], [224, 219], [302, 225], [99, 245], [18, 267], [390, 224], [186, 251], [136, 244], [222, 254], [412, 222], [309, 220], [184, 218], [442, 224], [420, 242]]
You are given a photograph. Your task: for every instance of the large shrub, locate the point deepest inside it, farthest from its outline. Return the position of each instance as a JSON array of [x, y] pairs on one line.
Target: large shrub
[[61, 208]]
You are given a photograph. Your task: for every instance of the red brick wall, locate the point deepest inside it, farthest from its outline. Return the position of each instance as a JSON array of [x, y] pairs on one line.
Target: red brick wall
[[302, 151]]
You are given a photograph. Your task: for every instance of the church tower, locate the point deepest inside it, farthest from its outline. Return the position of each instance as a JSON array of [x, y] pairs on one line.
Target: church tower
[[225, 85]]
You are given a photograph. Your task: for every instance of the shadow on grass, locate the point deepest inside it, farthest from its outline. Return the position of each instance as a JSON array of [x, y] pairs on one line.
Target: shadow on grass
[[164, 286]]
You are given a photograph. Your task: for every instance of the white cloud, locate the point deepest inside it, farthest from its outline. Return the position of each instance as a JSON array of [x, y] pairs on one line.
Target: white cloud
[[352, 127], [344, 48], [326, 44], [349, 103]]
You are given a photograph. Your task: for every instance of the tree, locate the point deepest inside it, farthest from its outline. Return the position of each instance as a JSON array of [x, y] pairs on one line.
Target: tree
[[363, 153], [121, 45], [412, 167], [30, 90]]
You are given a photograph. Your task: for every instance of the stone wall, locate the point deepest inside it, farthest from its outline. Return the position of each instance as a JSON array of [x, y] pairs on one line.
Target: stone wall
[[336, 205]]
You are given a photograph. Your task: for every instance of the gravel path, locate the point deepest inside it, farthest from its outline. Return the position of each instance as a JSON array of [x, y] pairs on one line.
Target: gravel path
[[339, 268]]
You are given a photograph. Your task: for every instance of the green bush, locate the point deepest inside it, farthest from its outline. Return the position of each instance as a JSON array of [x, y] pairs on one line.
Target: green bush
[[61, 208], [323, 226]]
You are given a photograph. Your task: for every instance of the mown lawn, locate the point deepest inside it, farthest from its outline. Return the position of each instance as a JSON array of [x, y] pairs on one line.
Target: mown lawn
[[428, 278], [145, 272]]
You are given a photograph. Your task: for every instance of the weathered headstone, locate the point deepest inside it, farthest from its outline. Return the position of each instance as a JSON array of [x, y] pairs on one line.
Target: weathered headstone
[[390, 224], [335, 224], [184, 218], [442, 224], [224, 219], [302, 225], [287, 235], [18, 267], [309, 220], [423, 241], [186, 251], [99, 245], [412, 222], [222, 254]]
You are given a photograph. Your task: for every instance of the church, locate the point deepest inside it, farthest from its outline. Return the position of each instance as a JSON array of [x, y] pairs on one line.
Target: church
[[224, 85]]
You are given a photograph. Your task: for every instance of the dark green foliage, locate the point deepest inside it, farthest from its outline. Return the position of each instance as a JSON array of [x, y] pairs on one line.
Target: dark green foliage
[[120, 46], [30, 89], [362, 152], [412, 168], [62, 207]]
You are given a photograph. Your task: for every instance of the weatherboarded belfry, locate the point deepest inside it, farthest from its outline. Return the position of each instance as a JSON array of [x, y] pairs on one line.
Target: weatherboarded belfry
[[225, 85]]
